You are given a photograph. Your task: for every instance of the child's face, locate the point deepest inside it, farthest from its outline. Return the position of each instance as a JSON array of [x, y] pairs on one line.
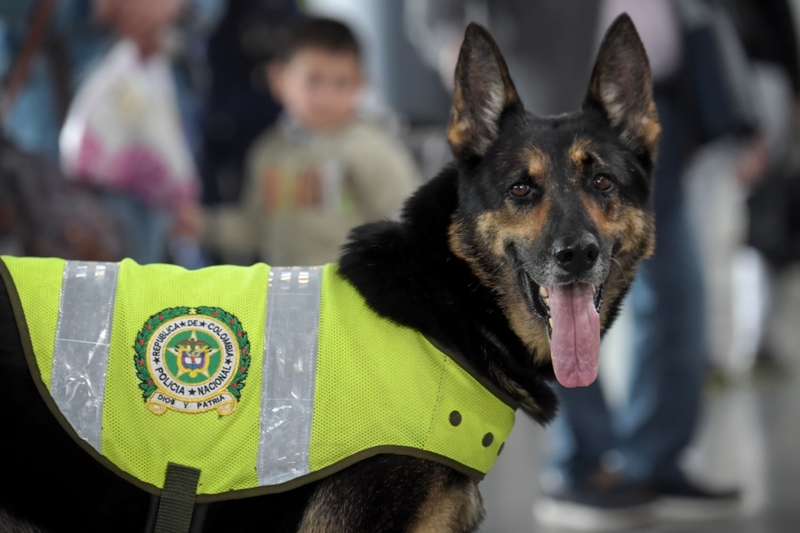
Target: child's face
[[318, 87]]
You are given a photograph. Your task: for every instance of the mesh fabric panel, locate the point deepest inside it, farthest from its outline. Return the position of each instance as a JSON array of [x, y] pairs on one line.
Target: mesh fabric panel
[[381, 384], [38, 283], [481, 414], [366, 416], [141, 443]]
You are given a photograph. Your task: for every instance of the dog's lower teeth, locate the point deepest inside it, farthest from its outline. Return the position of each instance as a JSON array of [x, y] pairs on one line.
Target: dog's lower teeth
[[543, 292], [547, 302], [550, 321]]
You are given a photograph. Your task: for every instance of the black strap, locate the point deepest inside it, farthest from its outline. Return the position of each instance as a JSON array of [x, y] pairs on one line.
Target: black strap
[[177, 499]]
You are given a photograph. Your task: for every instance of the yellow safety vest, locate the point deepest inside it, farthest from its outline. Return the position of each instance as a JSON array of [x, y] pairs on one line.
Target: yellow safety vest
[[262, 378]]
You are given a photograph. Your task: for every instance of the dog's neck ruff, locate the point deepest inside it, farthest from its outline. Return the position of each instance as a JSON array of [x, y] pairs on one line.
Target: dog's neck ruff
[[262, 378]]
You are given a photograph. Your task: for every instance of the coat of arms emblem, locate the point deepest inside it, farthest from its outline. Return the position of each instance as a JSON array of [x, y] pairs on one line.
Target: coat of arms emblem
[[192, 360]]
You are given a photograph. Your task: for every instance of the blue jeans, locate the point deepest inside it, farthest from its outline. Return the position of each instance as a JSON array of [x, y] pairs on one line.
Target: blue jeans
[[654, 428]]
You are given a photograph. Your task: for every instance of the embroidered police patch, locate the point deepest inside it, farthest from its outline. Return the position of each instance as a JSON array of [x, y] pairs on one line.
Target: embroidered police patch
[[192, 360]]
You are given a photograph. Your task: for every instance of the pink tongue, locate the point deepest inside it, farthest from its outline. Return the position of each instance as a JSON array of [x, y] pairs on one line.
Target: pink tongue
[[575, 341]]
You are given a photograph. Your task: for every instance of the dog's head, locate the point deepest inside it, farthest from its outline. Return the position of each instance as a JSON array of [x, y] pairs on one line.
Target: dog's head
[[555, 212]]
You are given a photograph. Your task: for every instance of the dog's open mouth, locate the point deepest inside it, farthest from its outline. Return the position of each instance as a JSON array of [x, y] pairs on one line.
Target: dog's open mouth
[[571, 313]]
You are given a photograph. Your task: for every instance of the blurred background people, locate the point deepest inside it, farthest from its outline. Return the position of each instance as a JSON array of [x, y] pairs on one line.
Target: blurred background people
[[78, 35], [321, 170], [240, 105], [769, 180], [123, 131], [549, 46]]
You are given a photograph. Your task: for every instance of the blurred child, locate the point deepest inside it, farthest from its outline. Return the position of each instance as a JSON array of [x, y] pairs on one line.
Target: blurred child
[[321, 170]]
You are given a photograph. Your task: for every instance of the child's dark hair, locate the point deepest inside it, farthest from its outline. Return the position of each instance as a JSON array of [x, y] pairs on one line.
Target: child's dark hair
[[327, 34]]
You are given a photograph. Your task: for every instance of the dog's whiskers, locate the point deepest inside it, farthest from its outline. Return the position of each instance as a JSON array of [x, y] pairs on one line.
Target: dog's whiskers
[[622, 271]]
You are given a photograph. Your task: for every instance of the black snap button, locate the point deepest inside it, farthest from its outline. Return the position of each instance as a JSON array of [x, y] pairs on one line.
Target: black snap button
[[488, 439], [501, 448], [455, 418]]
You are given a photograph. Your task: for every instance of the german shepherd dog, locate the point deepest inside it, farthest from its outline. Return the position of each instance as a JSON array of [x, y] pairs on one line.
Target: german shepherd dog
[[516, 256]]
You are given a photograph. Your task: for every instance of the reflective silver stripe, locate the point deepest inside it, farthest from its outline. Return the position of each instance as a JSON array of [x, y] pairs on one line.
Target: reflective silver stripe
[[287, 387], [83, 334]]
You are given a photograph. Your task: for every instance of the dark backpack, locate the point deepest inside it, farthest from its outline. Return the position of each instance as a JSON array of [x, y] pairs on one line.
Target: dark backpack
[[43, 215]]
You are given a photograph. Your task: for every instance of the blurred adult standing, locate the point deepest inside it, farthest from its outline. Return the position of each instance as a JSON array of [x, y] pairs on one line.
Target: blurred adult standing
[[240, 104], [770, 168]]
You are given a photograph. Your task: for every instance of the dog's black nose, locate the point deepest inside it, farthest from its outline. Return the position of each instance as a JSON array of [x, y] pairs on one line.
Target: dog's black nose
[[577, 256]]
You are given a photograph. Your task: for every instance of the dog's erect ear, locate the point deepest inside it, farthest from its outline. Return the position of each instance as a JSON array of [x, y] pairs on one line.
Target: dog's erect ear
[[483, 90], [621, 86]]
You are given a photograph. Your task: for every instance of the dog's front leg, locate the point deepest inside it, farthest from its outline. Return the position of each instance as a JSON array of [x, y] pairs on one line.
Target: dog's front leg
[[394, 494]]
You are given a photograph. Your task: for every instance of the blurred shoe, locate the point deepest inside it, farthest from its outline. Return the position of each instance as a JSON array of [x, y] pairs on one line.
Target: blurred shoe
[[605, 505], [683, 500], [768, 365]]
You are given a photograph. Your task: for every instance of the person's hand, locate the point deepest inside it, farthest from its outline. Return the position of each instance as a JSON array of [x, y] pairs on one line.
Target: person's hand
[[142, 21], [189, 221], [753, 165]]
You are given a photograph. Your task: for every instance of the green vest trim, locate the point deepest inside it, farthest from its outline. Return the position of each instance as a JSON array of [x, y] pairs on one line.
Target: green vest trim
[[377, 387]]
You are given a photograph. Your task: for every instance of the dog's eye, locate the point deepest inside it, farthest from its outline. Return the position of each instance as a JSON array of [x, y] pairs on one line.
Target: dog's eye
[[603, 183], [520, 189]]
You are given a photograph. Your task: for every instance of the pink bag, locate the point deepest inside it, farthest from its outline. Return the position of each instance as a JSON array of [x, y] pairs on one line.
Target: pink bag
[[123, 130]]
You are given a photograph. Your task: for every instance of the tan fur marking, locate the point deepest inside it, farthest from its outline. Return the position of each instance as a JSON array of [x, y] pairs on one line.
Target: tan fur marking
[[578, 152], [528, 328], [644, 129], [631, 226], [458, 133], [458, 130], [650, 129], [638, 231], [619, 279], [318, 517], [538, 162], [458, 100], [458, 246], [511, 93], [449, 509], [495, 229], [605, 220]]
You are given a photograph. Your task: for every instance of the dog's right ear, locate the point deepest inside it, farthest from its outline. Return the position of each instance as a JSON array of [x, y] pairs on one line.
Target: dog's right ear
[[483, 91]]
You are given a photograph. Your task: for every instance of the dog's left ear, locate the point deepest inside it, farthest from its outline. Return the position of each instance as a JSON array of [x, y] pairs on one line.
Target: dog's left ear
[[483, 91], [621, 86]]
